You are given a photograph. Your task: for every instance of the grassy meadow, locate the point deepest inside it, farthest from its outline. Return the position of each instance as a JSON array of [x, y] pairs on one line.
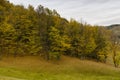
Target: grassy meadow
[[36, 68]]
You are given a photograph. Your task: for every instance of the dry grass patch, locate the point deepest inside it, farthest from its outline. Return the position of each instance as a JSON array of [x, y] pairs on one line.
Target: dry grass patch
[[68, 68]]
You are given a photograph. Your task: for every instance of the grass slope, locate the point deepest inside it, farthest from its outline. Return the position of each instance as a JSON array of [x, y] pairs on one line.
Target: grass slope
[[35, 68]]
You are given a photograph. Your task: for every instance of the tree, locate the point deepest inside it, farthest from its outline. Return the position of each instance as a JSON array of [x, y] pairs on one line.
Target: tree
[[115, 48], [55, 42]]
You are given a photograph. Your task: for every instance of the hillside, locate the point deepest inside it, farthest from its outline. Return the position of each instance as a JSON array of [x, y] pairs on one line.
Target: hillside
[[36, 44], [42, 31], [115, 28], [36, 68]]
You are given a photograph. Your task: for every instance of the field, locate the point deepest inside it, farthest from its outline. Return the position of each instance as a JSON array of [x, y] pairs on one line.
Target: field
[[36, 68]]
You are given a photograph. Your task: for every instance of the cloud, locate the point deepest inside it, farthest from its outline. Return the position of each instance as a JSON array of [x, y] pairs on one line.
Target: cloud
[[100, 12]]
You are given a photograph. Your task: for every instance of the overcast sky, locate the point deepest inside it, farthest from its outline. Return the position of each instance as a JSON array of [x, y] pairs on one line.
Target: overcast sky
[[100, 12]]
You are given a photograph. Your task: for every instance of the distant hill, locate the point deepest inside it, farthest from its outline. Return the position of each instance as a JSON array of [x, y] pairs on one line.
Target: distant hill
[[115, 28]]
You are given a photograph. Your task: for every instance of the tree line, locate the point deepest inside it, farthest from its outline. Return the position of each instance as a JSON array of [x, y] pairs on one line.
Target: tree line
[[43, 32]]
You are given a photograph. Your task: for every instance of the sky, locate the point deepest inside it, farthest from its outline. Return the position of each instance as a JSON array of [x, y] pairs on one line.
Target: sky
[[94, 12]]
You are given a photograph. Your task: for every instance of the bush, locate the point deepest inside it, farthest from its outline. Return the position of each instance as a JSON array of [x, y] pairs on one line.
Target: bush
[[54, 55], [102, 58]]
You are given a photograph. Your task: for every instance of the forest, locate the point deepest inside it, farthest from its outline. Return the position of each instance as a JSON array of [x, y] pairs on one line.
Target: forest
[[43, 32]]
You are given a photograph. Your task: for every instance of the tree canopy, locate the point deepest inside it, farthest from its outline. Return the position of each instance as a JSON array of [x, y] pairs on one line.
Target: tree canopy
[[41, 31]]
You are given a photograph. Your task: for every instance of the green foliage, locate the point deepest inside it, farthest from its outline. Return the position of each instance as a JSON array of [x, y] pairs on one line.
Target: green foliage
[[55, 55], [55, 39], [116, 59]]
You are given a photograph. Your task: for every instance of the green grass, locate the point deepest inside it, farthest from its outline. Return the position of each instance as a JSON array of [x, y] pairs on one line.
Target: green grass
[[35, 68]]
